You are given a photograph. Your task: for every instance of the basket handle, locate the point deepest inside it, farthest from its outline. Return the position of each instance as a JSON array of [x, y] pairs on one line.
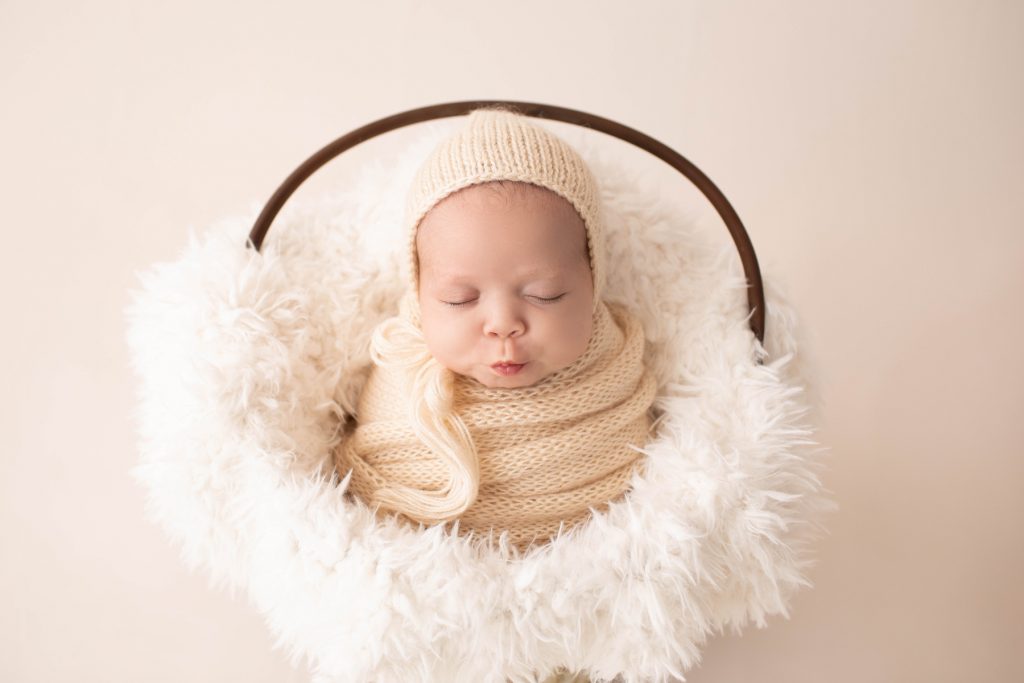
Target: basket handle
[[755, 287]]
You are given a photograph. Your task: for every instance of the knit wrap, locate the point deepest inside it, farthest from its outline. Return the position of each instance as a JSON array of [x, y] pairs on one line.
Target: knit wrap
[[547, 453]]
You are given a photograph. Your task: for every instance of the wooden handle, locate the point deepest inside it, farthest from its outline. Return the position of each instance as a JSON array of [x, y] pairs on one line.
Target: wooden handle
[[755, 288]]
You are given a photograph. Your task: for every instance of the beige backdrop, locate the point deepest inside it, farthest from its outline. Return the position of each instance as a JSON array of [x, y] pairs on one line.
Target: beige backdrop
[[874, 149]]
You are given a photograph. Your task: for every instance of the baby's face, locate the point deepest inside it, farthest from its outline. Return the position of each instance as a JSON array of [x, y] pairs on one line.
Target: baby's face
[[504, 277]]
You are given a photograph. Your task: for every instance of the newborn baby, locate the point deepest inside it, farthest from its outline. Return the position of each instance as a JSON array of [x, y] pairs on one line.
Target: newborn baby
[[507, 395]]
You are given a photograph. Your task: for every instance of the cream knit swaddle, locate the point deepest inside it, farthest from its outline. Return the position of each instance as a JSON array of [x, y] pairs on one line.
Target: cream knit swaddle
[[547, 452]]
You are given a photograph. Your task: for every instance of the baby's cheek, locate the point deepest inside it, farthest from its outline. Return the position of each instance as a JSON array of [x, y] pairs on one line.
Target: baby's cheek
[[582, 329], [442, 341], [430, 334]]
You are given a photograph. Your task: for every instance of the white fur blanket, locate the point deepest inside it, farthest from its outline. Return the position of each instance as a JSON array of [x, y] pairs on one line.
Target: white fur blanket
[[249, 362]]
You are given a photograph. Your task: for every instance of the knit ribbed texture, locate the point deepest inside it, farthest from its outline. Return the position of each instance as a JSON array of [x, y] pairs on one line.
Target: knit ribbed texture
[[547, 452], [493, 145]]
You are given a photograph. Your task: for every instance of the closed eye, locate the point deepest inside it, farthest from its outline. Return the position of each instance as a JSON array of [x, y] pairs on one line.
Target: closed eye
[[538, 298], [554, 298]]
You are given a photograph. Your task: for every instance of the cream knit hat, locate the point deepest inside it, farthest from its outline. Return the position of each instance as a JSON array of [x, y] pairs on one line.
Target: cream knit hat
[[497, 144]]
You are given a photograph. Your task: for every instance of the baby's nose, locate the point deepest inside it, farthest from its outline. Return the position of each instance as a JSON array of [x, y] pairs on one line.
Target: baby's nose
[[513, 330], [504, 323]]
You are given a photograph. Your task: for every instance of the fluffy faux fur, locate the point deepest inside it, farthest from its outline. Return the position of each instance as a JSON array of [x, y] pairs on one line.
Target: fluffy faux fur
[[249, 363]]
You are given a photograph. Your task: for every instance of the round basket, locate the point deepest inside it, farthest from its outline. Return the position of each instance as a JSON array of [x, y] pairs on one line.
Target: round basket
[[251, 354]]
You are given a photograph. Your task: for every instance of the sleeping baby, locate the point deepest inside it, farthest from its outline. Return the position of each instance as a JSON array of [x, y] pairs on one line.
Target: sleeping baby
[[507, 396]]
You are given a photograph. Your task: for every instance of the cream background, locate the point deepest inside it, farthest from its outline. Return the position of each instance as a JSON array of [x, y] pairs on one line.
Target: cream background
[[873, 149]]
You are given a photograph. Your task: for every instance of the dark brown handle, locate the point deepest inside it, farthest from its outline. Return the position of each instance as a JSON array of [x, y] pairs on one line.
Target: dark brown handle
[[755, 290]]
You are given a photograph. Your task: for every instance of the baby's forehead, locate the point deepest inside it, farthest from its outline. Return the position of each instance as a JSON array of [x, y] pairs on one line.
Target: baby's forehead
[[478, 222], [485, 204], [448, 275]]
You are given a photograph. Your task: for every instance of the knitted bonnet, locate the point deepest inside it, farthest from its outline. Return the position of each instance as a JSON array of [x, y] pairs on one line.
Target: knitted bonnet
[[497, 144]]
